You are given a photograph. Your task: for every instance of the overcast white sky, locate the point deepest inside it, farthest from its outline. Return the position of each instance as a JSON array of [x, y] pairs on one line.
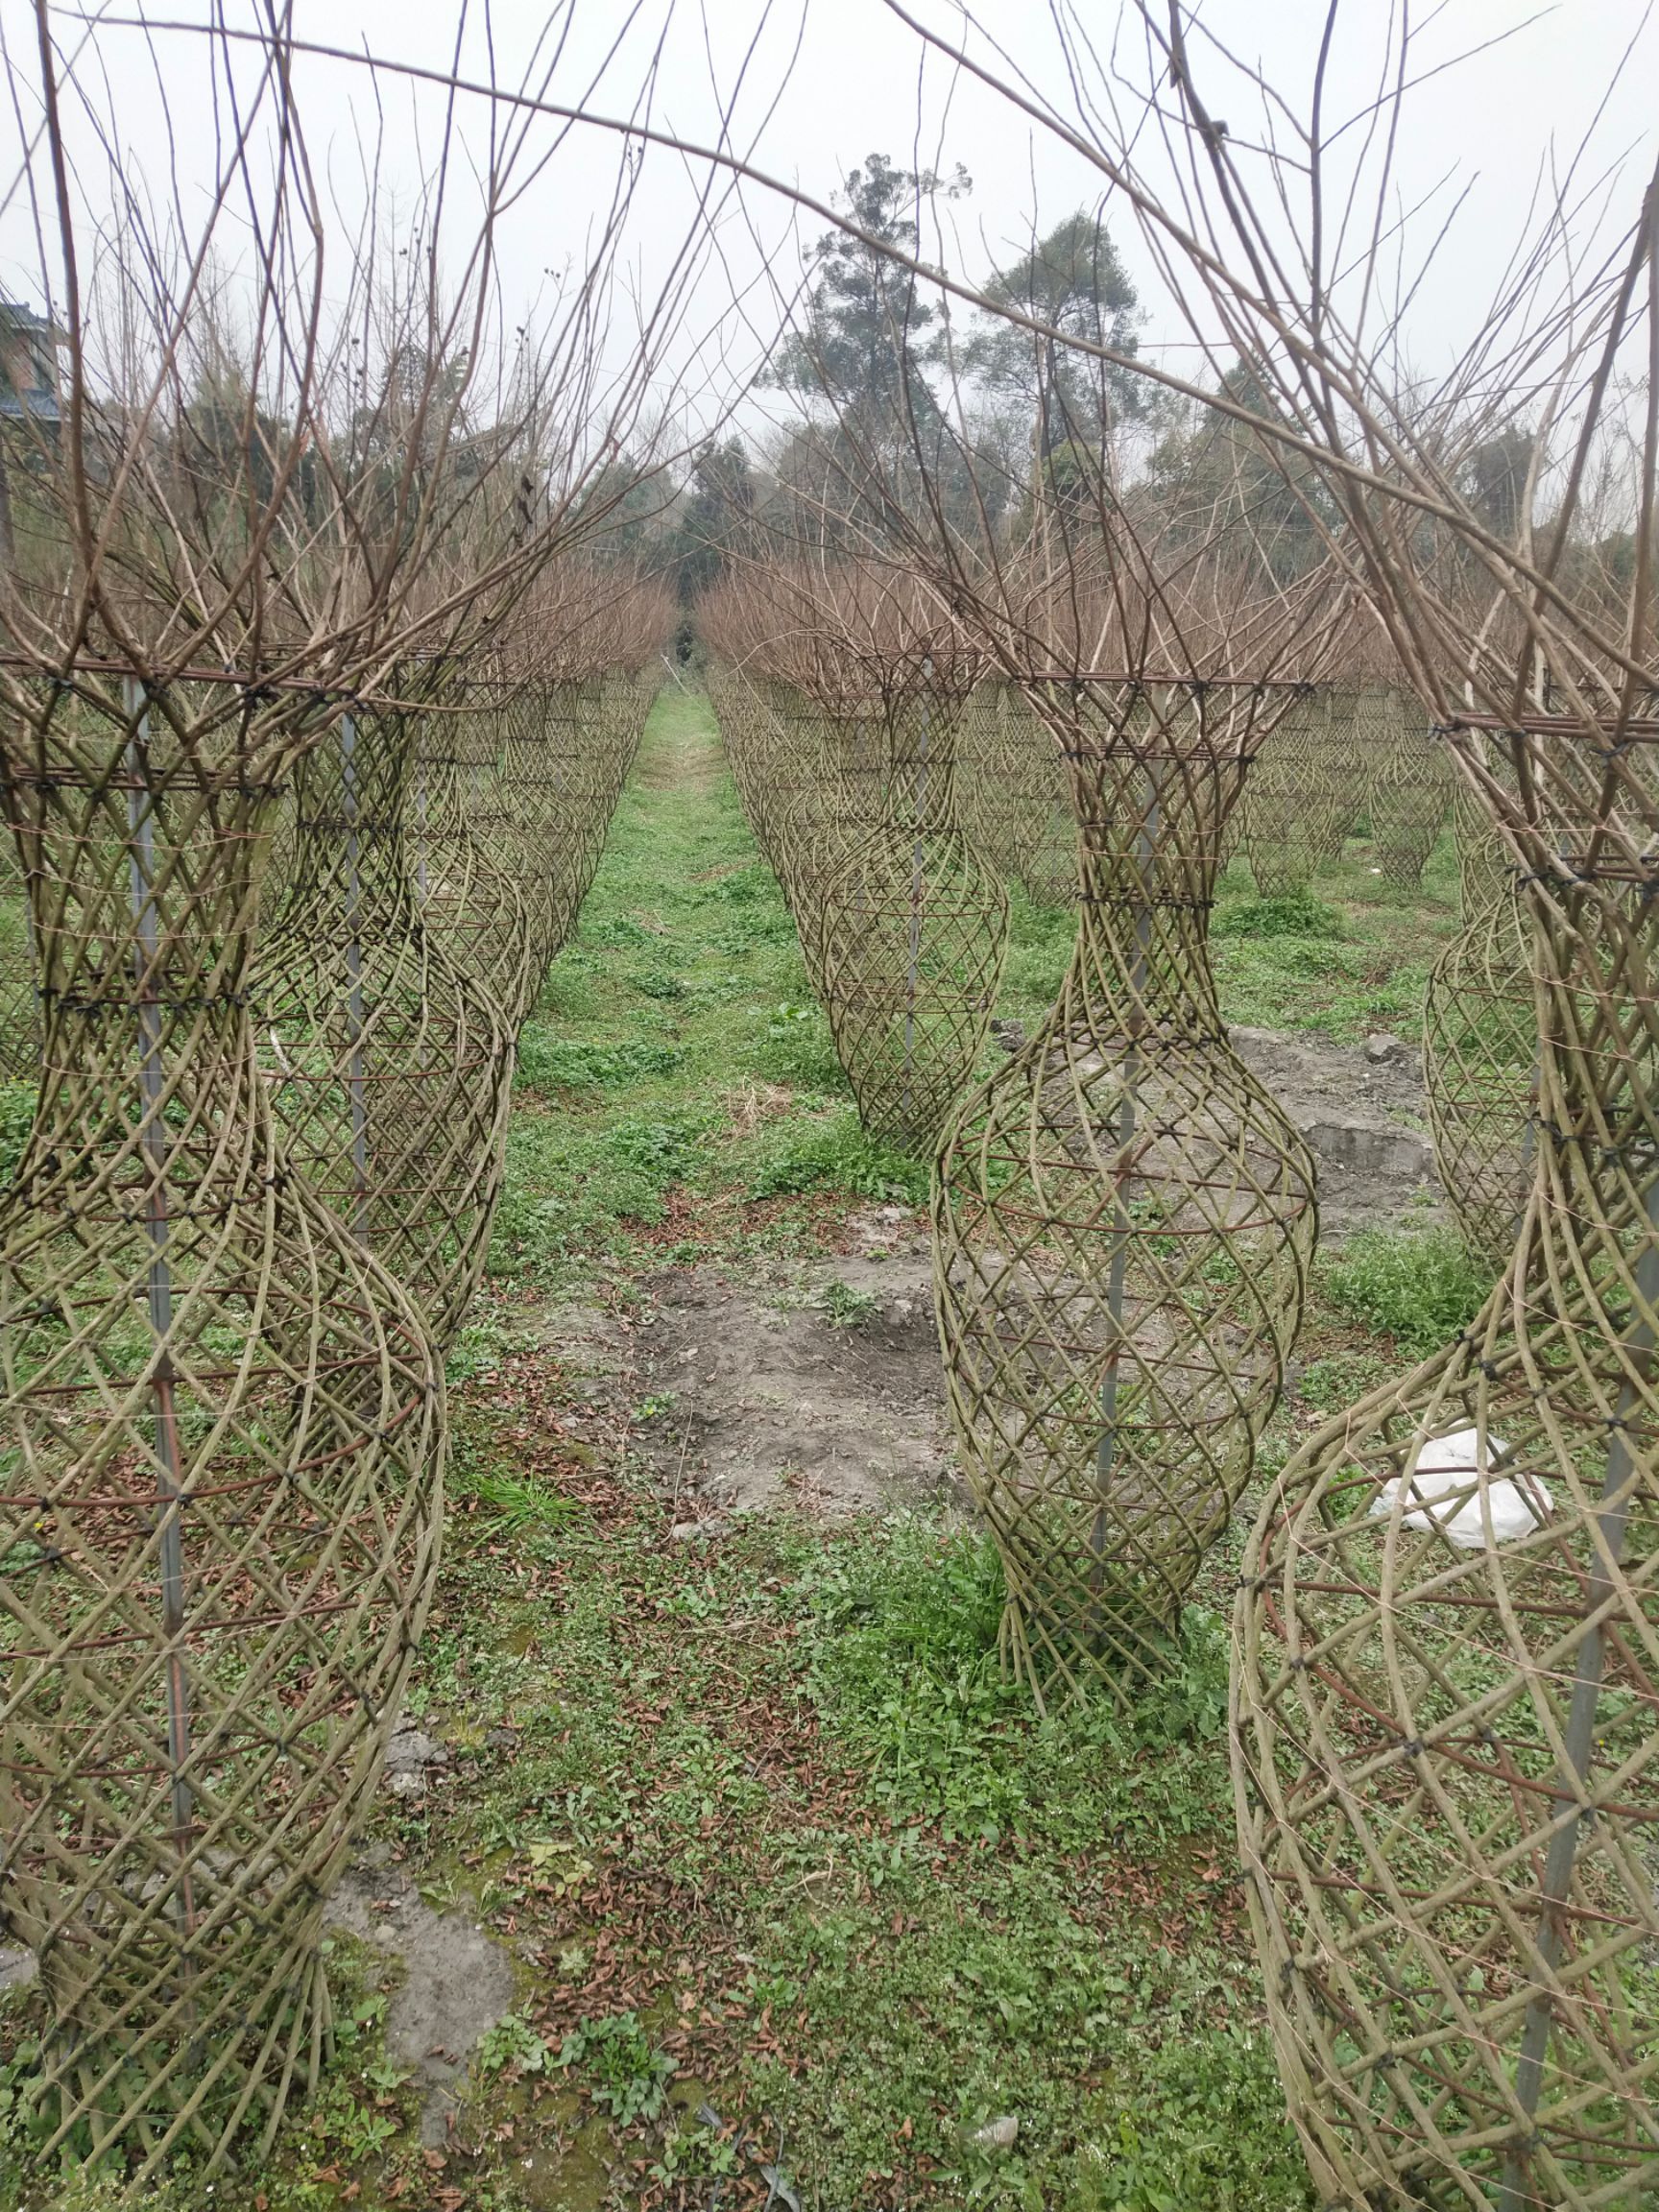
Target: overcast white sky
[[827, 82]]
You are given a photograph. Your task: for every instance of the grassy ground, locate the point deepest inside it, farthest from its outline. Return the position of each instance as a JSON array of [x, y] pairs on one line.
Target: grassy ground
[[808, 1907]]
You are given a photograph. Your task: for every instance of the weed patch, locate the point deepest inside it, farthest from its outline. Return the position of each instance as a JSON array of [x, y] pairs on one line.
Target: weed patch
[[1420, 1287], [831, 1152], [1292, 914]]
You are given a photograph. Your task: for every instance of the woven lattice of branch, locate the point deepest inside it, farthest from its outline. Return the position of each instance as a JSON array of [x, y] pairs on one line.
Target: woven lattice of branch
[[19, 989], [797, 800], [1015, 801], [222, 1457], [1410, 791], [461, 831], [1287, 830], [388, 1069], [1480, 1048], [557, 814], [1124, 1221], [740, 712], [626, 697], [832, 807], [1447, 1684], [757, 724], [914, 930], [1339, 783]]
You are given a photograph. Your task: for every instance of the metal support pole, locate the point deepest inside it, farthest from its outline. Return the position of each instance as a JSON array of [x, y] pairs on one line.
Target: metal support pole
[[1617, 1488], [917, 855], [1106, 1448], [355, 1078], [153, 1138]]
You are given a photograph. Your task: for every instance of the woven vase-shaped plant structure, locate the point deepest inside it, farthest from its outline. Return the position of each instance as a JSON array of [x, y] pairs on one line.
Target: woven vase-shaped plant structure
[[741, 714], [1410, 792], [914, 932], [1015, 801], [1124, 1221], [1286, 826], [1447, 1677], [557, 812], [1481, 1048], [388, 1069], [461, 831], [222, 1454]]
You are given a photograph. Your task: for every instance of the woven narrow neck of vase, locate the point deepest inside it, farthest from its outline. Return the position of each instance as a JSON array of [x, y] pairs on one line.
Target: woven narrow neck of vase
[[389, 1068], [460, 831], [1447, 1676], [1481, 1046], [222, 1453], [914, 930], [1410, 790], [1124, 1222], [857, 757]]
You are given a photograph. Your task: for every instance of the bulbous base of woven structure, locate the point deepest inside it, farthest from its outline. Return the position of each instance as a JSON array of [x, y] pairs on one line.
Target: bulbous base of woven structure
[[1455, 1914], [220, 1467], [1122, 1227], [1481, 1074], [388, 1069], [178, 1801], [1124, 1222], [1447, 1668]]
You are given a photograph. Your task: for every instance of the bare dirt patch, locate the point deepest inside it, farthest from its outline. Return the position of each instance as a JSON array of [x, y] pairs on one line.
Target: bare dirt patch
[[457, 1984], [821, 1388], [1364, 1117]]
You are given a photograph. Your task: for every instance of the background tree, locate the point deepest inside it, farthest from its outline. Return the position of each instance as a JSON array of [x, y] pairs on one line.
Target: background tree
[[1074, 281], [861, 341], [716, 519], [1228, 478], [1495, 477]]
